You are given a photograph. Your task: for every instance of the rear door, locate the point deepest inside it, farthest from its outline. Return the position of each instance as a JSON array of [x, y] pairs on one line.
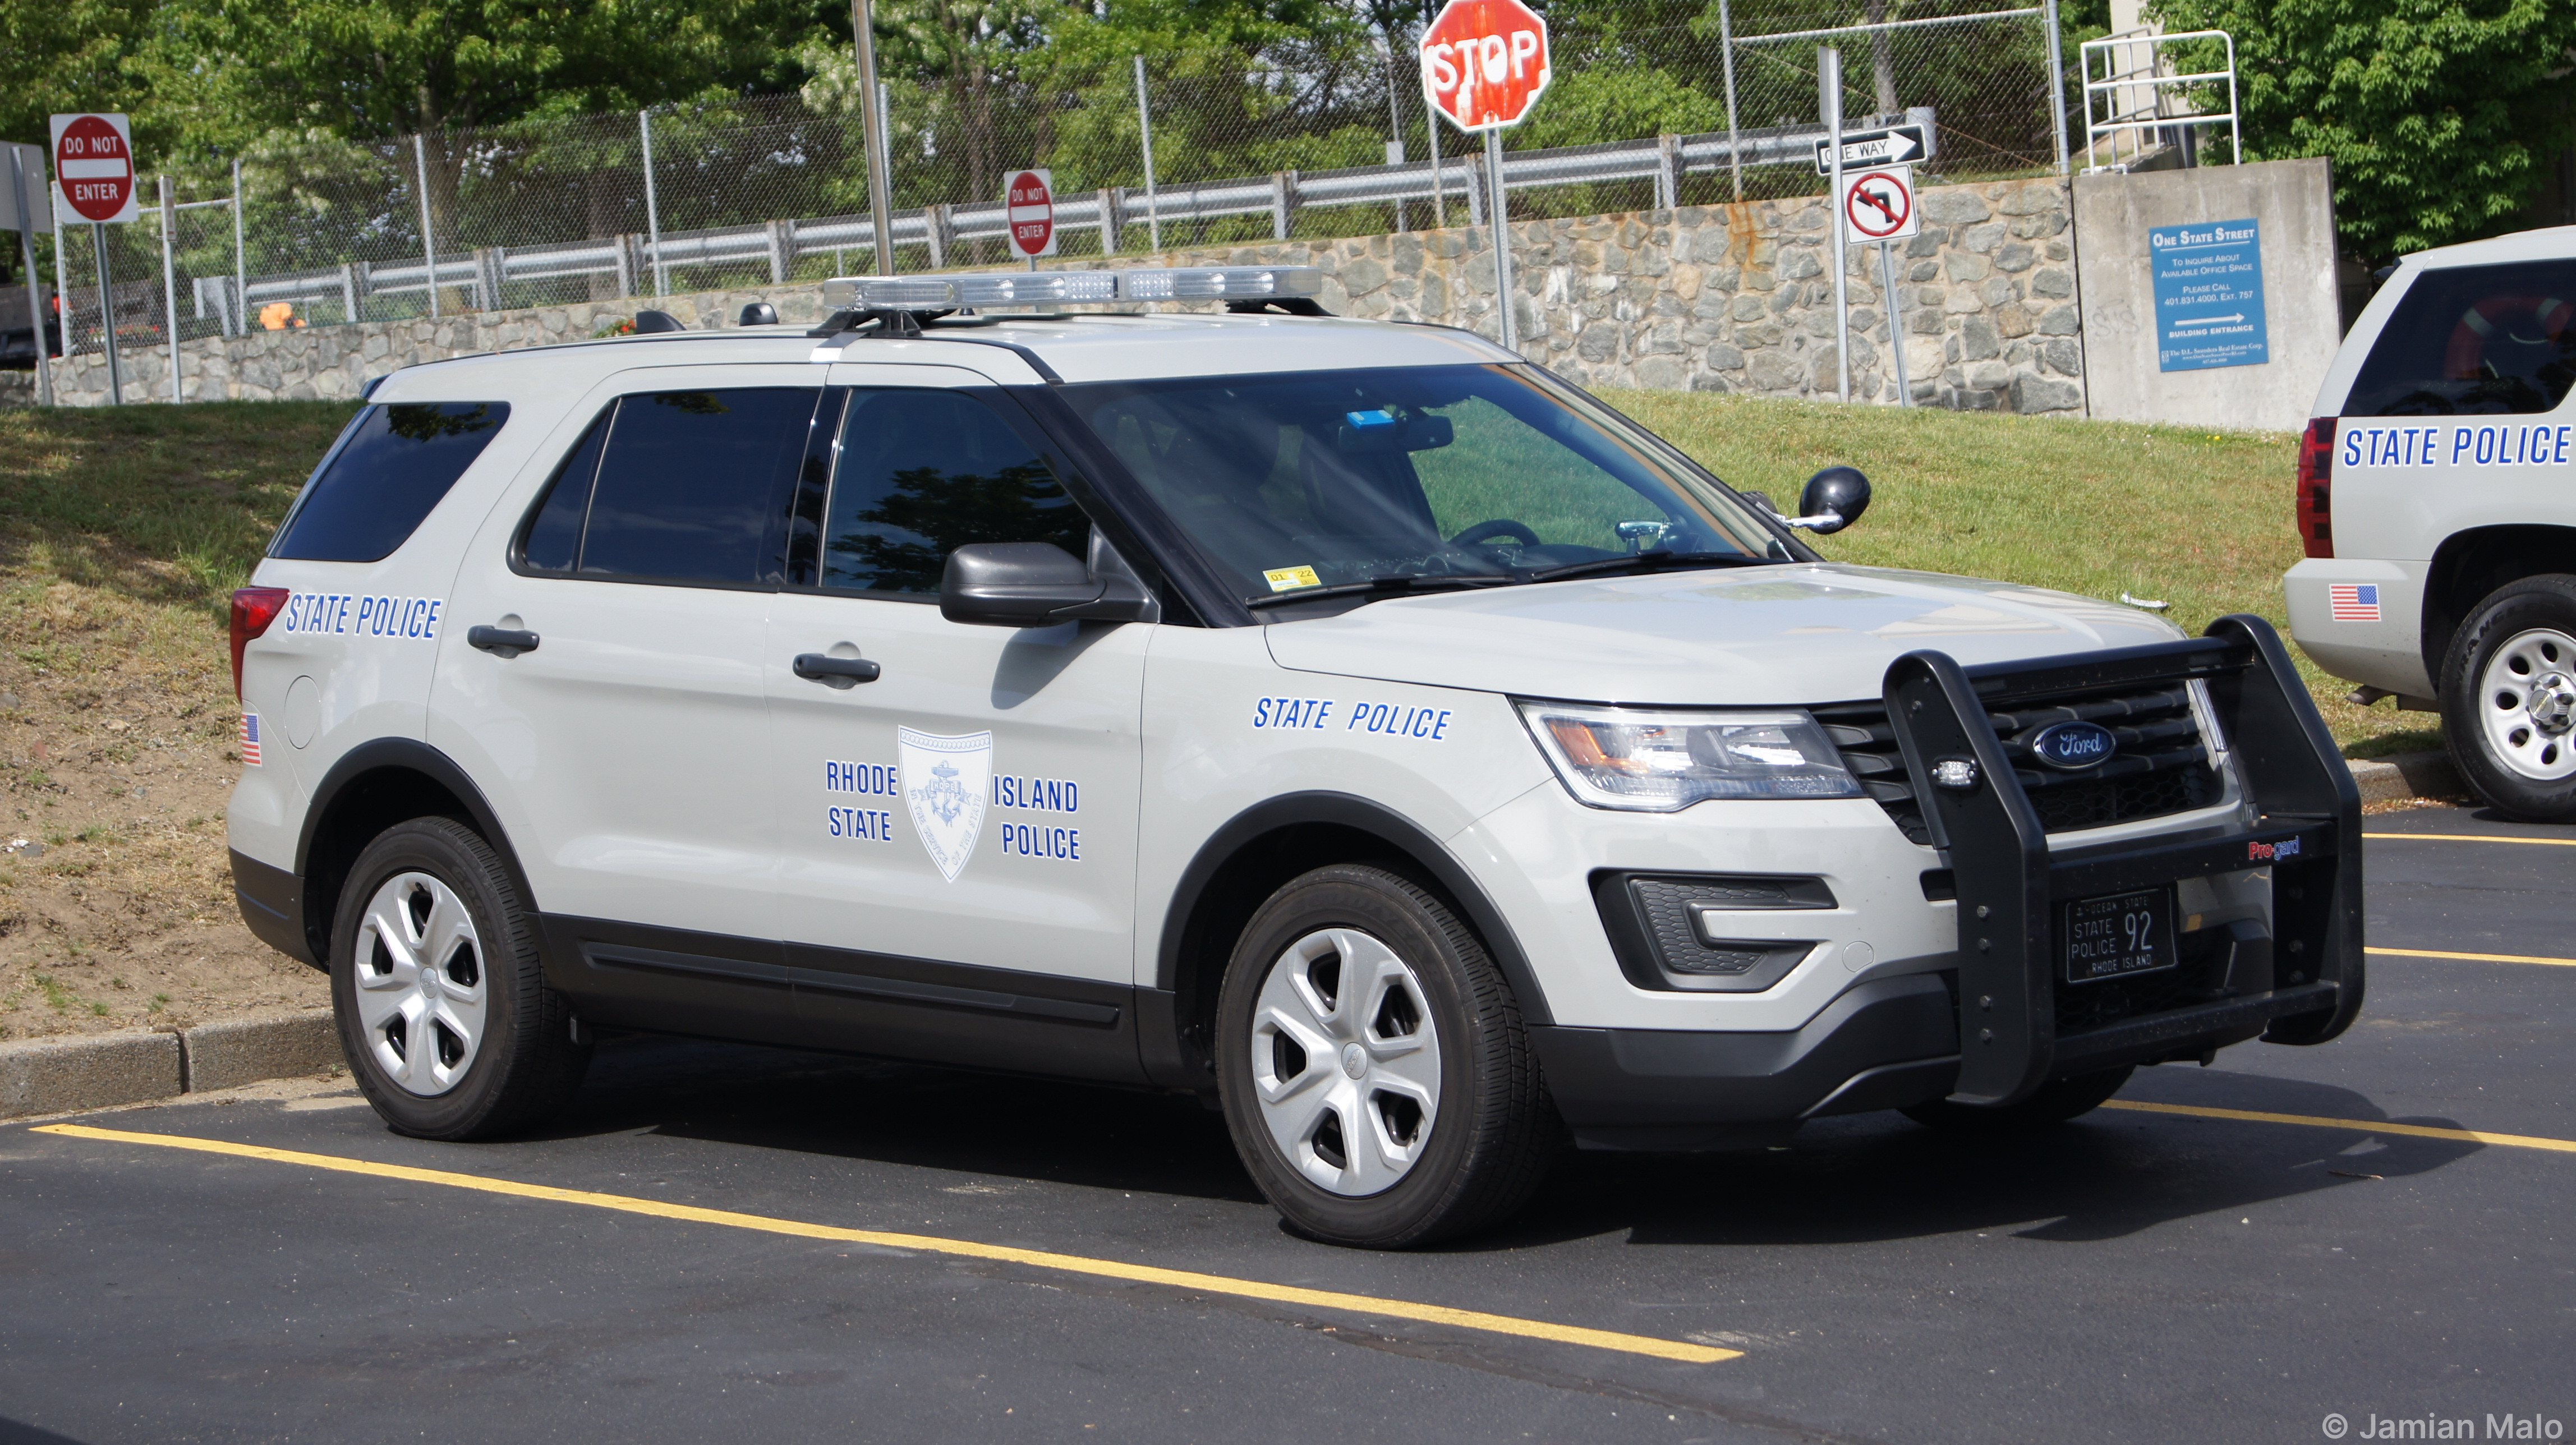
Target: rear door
[[627, 751], [957, 836]]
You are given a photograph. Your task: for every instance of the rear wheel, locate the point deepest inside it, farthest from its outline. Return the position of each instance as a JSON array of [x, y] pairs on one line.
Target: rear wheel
[[2508, 691], [1376, 1077], [439, 996], [2056, 1102]]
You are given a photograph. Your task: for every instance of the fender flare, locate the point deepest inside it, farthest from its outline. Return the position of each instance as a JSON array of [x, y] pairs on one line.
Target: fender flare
[[1361, 814], [407, 755]]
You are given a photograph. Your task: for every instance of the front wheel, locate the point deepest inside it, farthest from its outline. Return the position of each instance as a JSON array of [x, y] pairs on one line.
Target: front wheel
[[2056, 1102], [1376, 1078], [441, 1002], [2508, 692]]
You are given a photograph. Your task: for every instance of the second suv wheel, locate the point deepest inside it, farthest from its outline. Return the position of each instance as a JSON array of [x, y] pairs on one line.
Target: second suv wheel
[[2508, 699]]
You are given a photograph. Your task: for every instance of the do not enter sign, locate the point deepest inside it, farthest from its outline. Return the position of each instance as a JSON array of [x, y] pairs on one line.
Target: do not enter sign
[[1484, 63], [1878, 205], [1030, 195], [94, 167]]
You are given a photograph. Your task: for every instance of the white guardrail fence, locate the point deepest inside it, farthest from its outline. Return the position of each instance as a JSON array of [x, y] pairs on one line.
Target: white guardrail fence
[[778, 245]]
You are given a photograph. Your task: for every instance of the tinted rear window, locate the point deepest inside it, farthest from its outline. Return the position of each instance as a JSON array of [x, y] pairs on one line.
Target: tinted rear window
[[676, 486], [2475, 341], [394, 466]]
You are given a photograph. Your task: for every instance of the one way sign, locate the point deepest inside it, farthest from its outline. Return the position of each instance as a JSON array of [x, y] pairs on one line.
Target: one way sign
[[1895, 146]]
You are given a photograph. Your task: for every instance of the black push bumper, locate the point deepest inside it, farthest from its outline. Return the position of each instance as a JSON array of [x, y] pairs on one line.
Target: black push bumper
[[2006, 1022]]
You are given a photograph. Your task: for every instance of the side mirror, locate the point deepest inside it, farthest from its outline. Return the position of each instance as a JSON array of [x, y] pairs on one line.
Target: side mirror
[[1033, 584], [1834, 499]]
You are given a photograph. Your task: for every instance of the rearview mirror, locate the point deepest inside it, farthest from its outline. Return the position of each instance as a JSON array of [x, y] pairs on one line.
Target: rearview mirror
[[1033, 584], [1834, 499]]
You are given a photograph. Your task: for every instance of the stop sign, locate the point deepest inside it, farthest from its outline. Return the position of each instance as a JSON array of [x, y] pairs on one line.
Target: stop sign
[[94, 164], [1484, 63], [1030, 195]]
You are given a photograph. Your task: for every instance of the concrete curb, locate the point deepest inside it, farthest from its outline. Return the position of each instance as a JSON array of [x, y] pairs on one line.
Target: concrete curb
[[2408, 775], [100, 1071]]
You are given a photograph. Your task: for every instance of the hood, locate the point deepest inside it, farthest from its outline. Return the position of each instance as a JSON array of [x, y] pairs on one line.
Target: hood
[[1805, 633]]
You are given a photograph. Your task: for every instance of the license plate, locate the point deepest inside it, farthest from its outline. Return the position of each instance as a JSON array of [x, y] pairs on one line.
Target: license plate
[[2117, 935]]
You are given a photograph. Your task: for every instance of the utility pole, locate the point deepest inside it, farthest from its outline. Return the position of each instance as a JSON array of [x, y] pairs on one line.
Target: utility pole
[[872, 133]]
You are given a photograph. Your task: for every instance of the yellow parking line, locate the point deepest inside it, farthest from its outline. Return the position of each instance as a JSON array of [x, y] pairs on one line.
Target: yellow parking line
[[2367, 1126], [2473, 957], [1360, 1304], [2477, 838]]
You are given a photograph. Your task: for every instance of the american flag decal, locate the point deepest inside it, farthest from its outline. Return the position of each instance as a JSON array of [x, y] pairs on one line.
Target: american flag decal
[[250, 739], [2353, 601]]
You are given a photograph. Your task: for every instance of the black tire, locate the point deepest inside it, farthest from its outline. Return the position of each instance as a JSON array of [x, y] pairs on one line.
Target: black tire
[[522, 1064], [2056, 1102], [2516, 611], [1478, 1153]]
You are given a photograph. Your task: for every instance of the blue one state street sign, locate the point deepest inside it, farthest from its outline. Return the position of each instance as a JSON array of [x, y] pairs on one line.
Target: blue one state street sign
[[2209, 295]]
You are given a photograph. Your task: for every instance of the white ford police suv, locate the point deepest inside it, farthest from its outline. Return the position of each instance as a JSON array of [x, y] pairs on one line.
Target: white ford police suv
[[1349, 721], [2437, 503]]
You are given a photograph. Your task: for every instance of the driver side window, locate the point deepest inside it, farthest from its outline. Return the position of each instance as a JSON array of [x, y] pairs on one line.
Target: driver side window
[[922, 473]]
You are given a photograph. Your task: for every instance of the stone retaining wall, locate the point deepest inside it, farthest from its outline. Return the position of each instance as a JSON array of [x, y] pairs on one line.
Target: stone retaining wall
[[1735, 298]]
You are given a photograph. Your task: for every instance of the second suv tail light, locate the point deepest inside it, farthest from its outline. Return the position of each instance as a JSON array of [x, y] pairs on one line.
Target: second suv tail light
[[253, 609], [2316, 487]]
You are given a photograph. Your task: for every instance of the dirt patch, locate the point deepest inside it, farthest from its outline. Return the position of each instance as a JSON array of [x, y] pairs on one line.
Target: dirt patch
[[122, 532], [116, 907]]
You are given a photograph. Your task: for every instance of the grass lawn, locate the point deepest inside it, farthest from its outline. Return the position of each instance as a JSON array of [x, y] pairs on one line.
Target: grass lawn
[[2194, 518], [122, 535]]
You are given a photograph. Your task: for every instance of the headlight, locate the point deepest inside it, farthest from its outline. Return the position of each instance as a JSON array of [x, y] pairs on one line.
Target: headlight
[[1661, 762]]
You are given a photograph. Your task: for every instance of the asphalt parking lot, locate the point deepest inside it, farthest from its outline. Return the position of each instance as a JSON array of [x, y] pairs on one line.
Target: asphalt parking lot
[[739, 1242]]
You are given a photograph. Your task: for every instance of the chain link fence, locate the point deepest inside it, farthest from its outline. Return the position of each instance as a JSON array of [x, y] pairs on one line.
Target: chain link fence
[[1318, 137]]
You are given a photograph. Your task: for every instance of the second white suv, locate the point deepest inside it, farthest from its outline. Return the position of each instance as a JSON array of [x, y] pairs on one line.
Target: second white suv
[[1349, 721], [2437, 504]]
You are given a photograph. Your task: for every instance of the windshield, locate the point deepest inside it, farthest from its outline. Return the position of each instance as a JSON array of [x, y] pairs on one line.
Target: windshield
[[1411, 477]]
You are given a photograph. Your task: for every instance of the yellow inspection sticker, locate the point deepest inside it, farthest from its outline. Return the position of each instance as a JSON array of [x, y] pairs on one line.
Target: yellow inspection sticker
[[1284, 579]]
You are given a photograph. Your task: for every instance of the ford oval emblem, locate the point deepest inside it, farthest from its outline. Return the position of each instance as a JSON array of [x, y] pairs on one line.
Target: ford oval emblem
[[2074, 745]]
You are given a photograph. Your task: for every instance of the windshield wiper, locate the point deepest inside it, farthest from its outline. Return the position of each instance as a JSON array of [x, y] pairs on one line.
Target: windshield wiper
[[1653, 561], [1382, 586]]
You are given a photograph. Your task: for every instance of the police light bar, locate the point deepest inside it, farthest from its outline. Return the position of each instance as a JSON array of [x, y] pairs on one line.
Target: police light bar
[[1023, 288]]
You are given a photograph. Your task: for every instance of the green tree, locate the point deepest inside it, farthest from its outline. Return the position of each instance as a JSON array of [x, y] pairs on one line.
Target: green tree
[[2438, 115], [67, 55]]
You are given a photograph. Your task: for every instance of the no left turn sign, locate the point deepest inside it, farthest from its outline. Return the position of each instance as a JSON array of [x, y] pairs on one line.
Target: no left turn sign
[[1878, 205], [94, 167]]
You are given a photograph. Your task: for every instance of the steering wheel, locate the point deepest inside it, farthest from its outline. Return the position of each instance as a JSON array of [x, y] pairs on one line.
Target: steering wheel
[[1499, 527]]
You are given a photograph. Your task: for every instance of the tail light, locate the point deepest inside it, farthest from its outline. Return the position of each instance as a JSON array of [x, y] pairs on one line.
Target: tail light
[[253, 609], [2316, 487]]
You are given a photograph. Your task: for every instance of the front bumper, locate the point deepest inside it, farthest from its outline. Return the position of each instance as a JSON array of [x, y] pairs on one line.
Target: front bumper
[[2000, 1024]]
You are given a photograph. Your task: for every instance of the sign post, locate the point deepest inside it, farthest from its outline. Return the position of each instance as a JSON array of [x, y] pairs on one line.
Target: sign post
[[1878, 209], [26, 160], [1829, 84], [1030, 197], [94, 180], [1484, 65]]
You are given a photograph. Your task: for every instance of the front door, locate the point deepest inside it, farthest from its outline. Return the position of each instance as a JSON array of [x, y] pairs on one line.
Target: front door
[[957, 836]]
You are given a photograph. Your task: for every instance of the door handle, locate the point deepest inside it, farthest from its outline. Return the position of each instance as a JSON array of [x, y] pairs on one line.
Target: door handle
[[509, 640], [817, 667]]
